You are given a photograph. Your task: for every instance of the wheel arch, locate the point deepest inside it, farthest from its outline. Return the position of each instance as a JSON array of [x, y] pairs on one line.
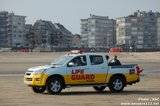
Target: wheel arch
[[56, 76], [119, 75]]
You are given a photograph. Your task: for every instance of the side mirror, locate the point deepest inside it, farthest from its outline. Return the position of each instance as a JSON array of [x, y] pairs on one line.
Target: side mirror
[[70, 64]]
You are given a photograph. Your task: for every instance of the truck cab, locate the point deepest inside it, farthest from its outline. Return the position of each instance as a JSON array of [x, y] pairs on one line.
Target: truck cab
[[81, 69]]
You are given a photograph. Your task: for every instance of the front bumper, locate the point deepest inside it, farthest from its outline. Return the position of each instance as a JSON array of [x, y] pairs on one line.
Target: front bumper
[[32, 79]]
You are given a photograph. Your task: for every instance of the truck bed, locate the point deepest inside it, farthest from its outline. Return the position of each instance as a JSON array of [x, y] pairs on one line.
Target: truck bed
[[124, 66]]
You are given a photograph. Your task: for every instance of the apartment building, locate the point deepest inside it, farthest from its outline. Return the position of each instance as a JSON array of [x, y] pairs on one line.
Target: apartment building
[[49, 35], [98, 32], [12, 30], [29, 36], [17, 31], [158, 32], [64, 36], [4, 40], [137, 31], [76, 41]]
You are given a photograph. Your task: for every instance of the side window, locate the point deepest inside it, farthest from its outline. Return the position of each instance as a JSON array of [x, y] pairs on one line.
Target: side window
[[96, 59], [79, 61]]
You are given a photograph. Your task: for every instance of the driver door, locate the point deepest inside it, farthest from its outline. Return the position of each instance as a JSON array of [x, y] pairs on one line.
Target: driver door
[[76, 70]]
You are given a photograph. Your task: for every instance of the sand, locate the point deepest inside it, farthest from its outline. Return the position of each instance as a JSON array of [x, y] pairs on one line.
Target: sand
[[13, 92]]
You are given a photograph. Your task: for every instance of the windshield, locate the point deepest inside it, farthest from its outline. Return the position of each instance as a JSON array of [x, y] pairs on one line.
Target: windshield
[[61, 60]]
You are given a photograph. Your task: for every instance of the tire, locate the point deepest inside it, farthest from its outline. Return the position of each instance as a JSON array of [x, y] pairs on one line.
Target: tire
[[99, 88], [116, 84], [54, 86], [38, 89]]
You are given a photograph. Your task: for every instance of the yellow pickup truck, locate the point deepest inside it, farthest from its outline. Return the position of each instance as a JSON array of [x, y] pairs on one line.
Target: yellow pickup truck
[[81, 69]]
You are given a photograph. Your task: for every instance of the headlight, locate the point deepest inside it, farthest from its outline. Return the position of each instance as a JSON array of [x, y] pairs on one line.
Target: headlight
[[39, 71]]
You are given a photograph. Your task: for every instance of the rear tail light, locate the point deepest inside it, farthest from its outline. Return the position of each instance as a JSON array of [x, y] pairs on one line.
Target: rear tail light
[[138, 69], [131, 71]]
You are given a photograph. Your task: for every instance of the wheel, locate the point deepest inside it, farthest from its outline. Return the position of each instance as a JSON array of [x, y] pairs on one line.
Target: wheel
[[38, 89], [116, 84], [54, 86], [99, 88]]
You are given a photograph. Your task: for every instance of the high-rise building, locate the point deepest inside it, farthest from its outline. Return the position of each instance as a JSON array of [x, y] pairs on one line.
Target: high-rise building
[[98, 32], [76, 41], [64, 36], [4, 28], [158, 32], [12, 30], [49, 35], [29, 36], [17, 31], [137, 31]]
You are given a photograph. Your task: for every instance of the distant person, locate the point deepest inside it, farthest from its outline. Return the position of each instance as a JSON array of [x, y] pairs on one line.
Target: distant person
[[77, 62], [114, 62]]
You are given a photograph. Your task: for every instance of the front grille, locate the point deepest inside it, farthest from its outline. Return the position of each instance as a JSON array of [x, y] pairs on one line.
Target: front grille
[[28, 73], [28, 79]]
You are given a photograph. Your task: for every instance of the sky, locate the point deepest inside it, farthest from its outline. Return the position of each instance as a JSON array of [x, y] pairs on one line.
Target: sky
[[69, 12]]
